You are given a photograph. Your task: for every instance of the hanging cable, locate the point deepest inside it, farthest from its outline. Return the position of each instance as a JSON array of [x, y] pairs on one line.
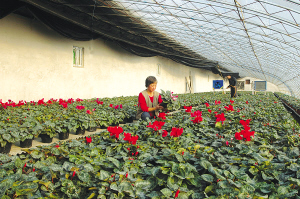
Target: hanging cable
[[92, 24], [238, 8]]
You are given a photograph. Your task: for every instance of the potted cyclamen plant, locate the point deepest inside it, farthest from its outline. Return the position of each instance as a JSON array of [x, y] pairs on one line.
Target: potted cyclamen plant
[[170, 102]]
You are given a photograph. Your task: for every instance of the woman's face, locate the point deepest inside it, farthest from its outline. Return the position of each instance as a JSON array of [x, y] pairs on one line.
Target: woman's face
[[152, 87]]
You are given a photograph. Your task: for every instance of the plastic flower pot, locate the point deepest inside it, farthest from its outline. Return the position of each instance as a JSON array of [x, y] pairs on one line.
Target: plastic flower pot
[[46, 138], [92, 129], [163, 104], [64, 136], [80, 131], [26, 143], [6, 148]]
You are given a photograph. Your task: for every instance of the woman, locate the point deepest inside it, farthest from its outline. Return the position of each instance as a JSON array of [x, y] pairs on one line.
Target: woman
[[149, 100]]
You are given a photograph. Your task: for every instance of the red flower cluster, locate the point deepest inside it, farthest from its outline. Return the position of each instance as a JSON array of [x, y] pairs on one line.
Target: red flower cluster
[[98, 102], [118, 106], [111, 105], [246, 132], [217, 102], [206, 104], [229, 108], [209, 110], [247, 102], [156, 125], [88, 112], [80, 107], [198, 116], [130, 139], [188, 109], [231, 101], [162, 116], [115, 131], [164, 133], [220, 118], [176, 132], [88, 140]]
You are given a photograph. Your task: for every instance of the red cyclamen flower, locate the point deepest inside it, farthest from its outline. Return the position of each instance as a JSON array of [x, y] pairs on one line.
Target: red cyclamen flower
[[188, 108], [88, 112], [156, 125], [164, 133], [88, 140], [115, 131], [162, 116], [176, 132]]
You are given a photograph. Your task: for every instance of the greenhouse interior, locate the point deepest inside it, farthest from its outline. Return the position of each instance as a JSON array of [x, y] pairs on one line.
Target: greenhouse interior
[[151, 99]]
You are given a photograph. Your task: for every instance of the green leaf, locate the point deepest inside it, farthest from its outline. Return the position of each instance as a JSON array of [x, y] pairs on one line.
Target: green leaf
[[167, 192], [205, 164], [144, 184], [114, 161], [126, 187], [209, 188], [207, 177], [104, 175], [171, 182], [114, 186]]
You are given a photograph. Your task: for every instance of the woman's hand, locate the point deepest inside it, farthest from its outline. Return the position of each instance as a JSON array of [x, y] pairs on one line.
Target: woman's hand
[[158, 107]]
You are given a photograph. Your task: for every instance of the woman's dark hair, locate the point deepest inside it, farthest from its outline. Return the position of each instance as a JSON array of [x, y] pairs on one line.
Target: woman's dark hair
[[150, 80]]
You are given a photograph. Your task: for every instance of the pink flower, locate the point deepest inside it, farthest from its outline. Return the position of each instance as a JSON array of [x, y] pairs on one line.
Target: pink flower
[[227, 143], [117, 106]]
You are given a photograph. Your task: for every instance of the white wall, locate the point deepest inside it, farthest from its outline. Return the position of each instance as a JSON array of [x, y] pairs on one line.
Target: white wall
[[36, 63], [249, 87]]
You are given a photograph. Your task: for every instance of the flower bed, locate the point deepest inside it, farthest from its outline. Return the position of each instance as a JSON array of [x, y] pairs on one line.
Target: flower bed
[[242, 148]]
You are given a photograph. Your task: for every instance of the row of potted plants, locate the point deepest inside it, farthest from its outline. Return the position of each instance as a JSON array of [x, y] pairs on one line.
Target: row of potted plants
[[24, 121], [247, 147], [293, 102]]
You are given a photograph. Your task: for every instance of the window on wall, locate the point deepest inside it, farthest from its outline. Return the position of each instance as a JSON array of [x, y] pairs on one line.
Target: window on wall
[[247, 81], [77, 56]]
